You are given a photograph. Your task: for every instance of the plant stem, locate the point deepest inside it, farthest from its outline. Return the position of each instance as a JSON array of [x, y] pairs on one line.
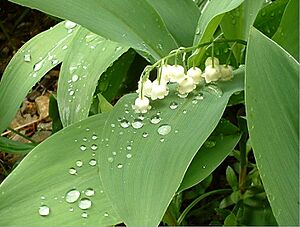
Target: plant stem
[[184, 213], [244, 163]]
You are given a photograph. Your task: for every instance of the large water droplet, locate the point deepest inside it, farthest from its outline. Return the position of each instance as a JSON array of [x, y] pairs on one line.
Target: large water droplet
[[72, 171], [83, 147], [164, 129], [92, 162], [38, 66], [215, 90], [124, 123], [79, 163], [85, 204], [27, 57], [155, 119], [120, 166], [94, 147], [44, 210], [75, 78], [137, 123], [173, 105], [89, 192], [72, 196], [70, 24]]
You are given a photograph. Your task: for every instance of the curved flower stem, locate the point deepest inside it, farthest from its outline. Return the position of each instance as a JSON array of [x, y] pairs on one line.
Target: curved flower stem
[[184, 213]]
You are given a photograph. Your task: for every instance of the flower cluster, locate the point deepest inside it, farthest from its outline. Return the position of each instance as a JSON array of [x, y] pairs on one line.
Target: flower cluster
[[186, 80]]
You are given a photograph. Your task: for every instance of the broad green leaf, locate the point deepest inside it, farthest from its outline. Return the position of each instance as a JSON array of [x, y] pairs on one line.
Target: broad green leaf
[[212, 153], [10, 146], [236, 23], [272, 108], [88, 57], [287, 34], [131, 22], [269, 17], [141, 169], [209, 21], [32, 61], [43, 178], [180, 18]]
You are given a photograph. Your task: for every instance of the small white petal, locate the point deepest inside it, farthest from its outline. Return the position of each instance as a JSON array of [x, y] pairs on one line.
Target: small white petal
[[208, 61]]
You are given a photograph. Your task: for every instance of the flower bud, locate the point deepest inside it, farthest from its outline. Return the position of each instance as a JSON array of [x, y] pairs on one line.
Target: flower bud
[[141, 105], [226, 72], [147, 87]]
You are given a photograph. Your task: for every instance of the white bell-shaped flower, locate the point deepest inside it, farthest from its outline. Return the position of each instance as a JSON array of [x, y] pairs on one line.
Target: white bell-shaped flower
[[141, 105], [195, 74], [159, 90], [147, 87], [186, 85], [177, 73], [226, 72], [211, 73], [208, 61], [166, 71]]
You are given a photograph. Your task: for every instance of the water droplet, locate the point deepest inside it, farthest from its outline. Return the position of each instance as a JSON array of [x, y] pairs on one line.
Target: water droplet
[[110, 159], [209, 143], [145, 134], [75, 78], [124, 123], [128, 155], [173, 105], [72, 93], [84, 214], [184, 111], [34, 75], [44, 210], [54, 61], [94, 137], [106, 214], [162, 140], [118, 48], [137, 123], [79, 163], [141, 117], [215, 90], [84, 139], [72, 196], [27, 57], [85, 204], [43, 197], [155, 119], [92, 162], [71, 209], [114, 153], [129, 147], [120, 166], [64, 47], [164, 129], [83, 147], [89, 192], [176, 131], [113, 125], [203, 167], [72, 171], [199, 96], [183, 96], [198, 31], [38, 66], [70, 24], [94, 147], [159, 46]]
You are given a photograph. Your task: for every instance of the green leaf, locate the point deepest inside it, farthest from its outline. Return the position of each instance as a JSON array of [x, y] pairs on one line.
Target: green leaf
[[43, 178], [88, 57], [287, 34], [54, 114], [209, 21], [156, 163], [230, 220], [236, 23], [10, 146], [32, 61], [272, 109], [180, 18], [120, 174], [131, 22], [231, 178], [212, 153], [104, 105]]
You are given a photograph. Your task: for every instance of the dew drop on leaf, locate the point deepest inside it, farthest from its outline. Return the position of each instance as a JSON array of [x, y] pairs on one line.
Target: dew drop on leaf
[[199, 96], [145, 134], [70, 24], [137, 123], [38, 66], [83, 147], [110, 159], [85, 204], [44, 210], [72, 196], [27, 57], [173, 105], [129, 148], [92, 162], [120, 166], [84, 214], [214, 89], [94, 147], [124, 123], [75, 78], [94, 137], [106, 214], [164, 129], [155, 119], [72, 171], [79, 163], [162, 140], [89, 192], [128, 155]]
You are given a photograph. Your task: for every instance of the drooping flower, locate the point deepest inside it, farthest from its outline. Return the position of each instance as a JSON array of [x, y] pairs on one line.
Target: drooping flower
[[195, 74], [212, 73], [159, 90], [141, 105], [147, 87], [177, 73], [166, 71], [226, 72], [186, 85]]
